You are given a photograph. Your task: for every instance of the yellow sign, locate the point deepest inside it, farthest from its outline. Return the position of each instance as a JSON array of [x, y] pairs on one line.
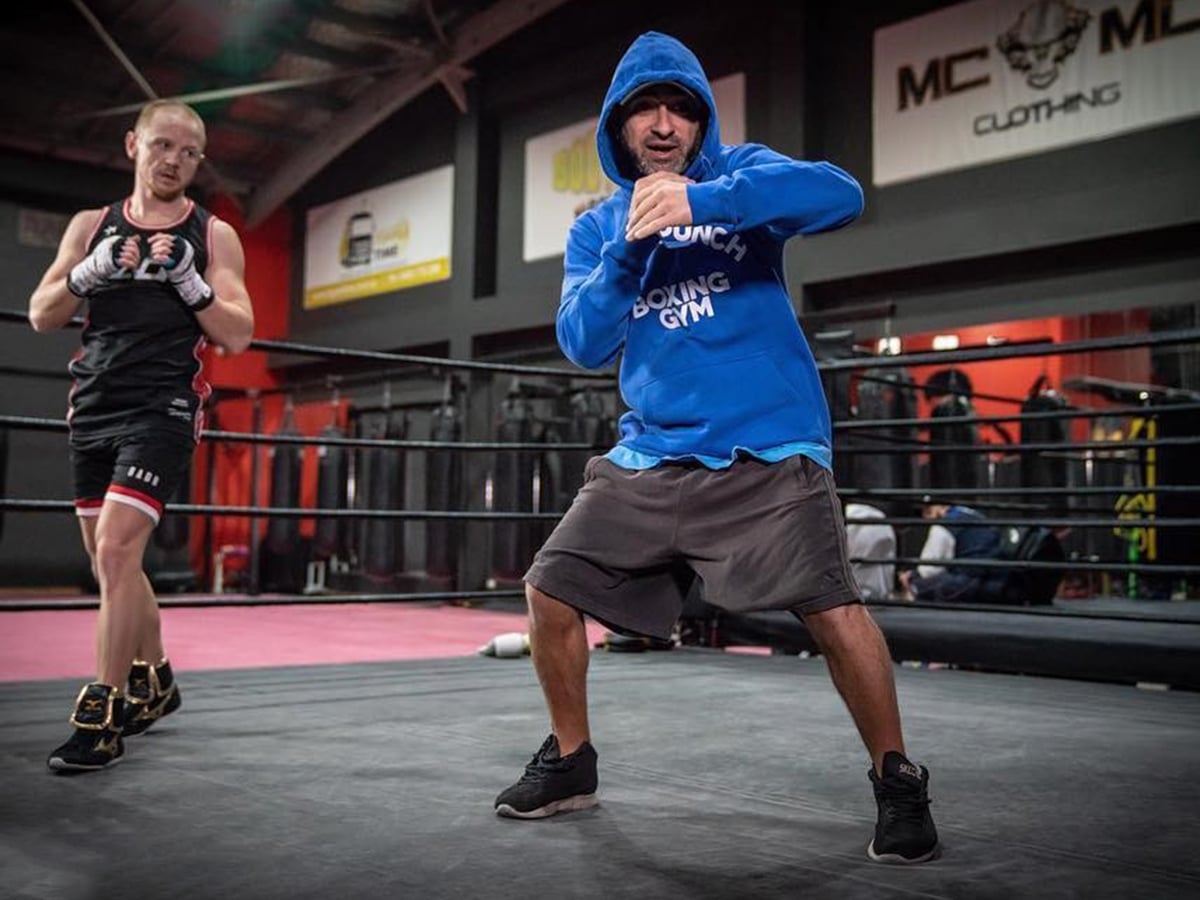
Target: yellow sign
[[379, 283]]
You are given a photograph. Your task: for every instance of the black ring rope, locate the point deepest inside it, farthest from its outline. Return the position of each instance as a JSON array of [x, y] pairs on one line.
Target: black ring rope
[[1026, 523], [1020, 491], [425, 362], [1060, 446], [980, 354], [291, 512], [916, 388], [1057, 611], [42, 424], [936, 357], [238, 600], [266, 600], [1144, 412], [1070, 565], [38, 424], [196, 509]]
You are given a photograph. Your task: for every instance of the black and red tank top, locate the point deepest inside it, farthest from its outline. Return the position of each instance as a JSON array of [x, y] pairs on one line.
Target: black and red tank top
[[139, 364]]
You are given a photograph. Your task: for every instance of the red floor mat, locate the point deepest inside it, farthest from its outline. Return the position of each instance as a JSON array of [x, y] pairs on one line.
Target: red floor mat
[[40, 645]]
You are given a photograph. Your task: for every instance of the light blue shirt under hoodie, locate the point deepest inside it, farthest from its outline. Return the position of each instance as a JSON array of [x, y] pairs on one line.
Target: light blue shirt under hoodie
[[714, 363]]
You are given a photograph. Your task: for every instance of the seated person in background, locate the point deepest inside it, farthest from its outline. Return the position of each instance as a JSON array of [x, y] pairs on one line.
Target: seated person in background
[[968, 584], [875, 580]]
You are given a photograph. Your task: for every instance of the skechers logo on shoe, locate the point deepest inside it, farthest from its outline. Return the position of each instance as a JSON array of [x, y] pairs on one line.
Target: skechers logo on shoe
[[684, 302], [907, 768]]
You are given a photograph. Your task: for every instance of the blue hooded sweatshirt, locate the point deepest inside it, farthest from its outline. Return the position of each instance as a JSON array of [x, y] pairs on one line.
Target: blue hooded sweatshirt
[[714, 361]]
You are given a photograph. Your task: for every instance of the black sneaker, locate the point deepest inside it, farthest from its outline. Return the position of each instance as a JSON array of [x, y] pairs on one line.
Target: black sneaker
[[552, 783], [152, 693], [904, 831], [96, 742]]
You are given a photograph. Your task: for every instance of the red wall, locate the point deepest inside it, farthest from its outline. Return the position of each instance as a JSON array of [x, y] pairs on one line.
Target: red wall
[[268, 250], [1014, 377]]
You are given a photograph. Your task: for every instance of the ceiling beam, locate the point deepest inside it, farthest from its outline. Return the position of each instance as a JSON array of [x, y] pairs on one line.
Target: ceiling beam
[[379, 101], [402, 28], [327, 53]]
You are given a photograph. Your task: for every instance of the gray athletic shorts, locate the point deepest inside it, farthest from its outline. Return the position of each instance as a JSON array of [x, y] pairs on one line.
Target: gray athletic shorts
[[758, 536]]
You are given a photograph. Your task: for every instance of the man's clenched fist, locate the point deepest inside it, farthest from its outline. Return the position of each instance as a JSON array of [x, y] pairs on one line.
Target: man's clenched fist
[[178, 257]]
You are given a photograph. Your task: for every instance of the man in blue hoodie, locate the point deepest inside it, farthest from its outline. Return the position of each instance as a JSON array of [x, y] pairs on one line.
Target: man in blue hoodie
[[722, 471]]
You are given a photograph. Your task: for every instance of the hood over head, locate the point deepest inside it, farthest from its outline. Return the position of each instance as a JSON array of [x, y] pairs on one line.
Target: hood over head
[[653, 58]]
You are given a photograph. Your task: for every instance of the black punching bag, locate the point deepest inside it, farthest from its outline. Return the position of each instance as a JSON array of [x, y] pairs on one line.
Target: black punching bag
[[887, 394], [512, 488], [174, 530], [385, 475], [284, 564], [443, 480], [590, 423], [1039, 468], [3, 472], [948, 390], [333, 464]]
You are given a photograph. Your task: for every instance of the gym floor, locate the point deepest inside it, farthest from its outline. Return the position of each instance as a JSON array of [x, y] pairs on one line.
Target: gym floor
[[722, 776]]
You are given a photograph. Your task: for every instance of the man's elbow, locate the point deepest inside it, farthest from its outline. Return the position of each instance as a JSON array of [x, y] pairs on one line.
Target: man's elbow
[[238, 341], [580, 352], [42, 321], [238, 344]]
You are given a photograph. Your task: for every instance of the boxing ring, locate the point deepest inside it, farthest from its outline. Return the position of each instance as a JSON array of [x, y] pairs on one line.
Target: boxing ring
[[721, 776], [723, 773]]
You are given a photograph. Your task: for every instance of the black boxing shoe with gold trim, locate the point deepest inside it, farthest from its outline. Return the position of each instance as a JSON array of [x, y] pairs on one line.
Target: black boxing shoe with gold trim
[[96, 743], [152, 693]]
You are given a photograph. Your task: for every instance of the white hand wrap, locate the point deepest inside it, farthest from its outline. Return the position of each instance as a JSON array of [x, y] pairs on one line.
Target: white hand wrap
[[97, 267], [181, 272]]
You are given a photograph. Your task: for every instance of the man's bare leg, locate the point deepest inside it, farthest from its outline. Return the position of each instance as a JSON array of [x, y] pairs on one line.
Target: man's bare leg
[[861, 669], [128, 609], [558, 642]]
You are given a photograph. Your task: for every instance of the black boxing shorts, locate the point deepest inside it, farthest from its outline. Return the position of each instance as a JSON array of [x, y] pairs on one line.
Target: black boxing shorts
[[139, 468]]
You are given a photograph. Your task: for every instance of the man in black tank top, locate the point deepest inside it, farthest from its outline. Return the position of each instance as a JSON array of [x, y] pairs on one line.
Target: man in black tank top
[[161, 277]]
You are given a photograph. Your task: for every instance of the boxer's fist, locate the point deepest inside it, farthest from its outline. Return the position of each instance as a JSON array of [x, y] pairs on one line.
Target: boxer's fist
[[178, 257], [112, 254]]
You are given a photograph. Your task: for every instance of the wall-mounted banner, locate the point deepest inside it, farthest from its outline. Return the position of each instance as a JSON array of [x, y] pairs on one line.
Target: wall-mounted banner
[[995, 79], [385, 239], [563, 177]]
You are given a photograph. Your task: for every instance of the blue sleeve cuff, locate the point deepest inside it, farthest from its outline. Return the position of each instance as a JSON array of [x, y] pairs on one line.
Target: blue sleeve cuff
[[711, 201]]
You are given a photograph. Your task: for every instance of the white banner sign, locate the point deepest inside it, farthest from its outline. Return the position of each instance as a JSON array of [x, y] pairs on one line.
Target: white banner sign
[[563, 176], [381, 240], [995, 79]]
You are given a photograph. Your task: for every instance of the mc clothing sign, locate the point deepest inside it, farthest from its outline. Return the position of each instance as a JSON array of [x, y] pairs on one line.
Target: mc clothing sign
[[995, 79]]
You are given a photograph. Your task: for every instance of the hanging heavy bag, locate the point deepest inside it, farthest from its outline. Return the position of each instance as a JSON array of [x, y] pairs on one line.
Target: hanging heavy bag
[[1038, 468], [397, 430], [333, 464], [174, 529], [443, 481], [512, 488], [886, 394], [283, 562], [1176, 463], [953, 469], [547, 476], [3, 473], [379, 550]]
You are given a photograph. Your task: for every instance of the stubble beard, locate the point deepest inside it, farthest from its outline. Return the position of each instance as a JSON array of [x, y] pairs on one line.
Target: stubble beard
[[677, 164]]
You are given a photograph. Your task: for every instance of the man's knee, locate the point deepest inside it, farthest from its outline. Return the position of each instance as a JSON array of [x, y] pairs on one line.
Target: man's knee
[[839, 623], [116, 557], [546, 612]]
